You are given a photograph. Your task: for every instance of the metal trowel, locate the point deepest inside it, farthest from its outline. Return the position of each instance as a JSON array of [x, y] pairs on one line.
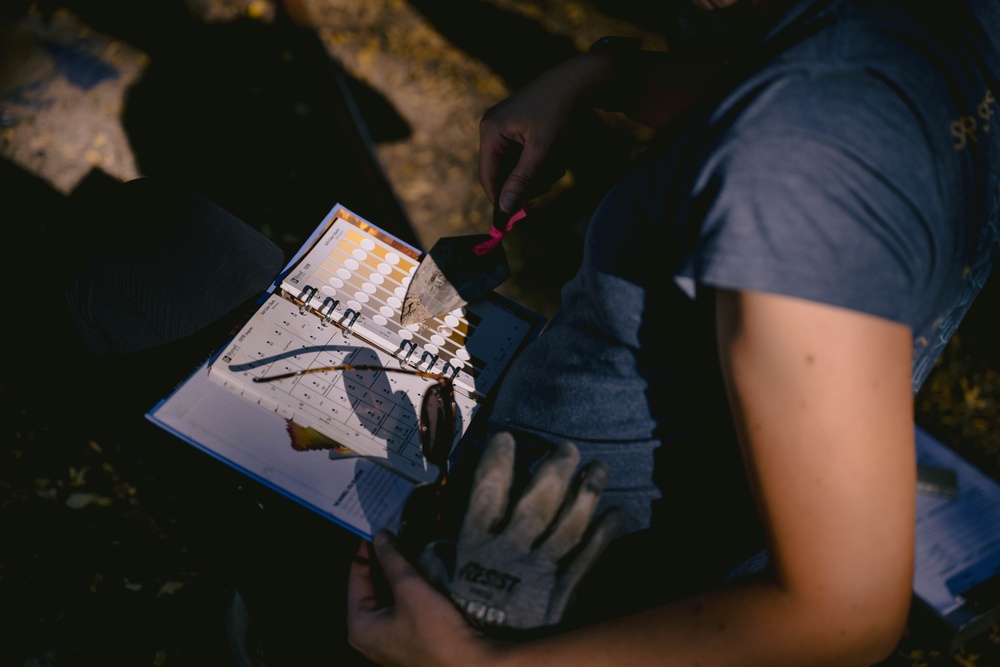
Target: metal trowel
[[458, 270]]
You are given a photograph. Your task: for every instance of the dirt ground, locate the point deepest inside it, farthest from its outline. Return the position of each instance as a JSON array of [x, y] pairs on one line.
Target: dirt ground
[[105, 558]]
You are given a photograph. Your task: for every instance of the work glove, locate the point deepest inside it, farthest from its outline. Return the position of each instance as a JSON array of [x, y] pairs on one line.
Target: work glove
[[518, 569]]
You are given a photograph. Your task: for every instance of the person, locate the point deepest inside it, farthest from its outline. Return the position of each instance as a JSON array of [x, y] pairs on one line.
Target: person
[[760, 295], [759, 298]]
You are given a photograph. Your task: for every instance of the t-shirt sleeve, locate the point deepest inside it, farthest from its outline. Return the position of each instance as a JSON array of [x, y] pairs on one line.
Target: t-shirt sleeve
[[824, 194]]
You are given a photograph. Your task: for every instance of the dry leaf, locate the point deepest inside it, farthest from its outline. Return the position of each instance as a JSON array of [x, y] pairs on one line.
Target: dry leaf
[[80, 499], [170, 588]]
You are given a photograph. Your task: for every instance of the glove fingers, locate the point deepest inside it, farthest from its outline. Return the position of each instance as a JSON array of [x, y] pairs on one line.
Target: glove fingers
[[577, 513], [432, 565], [490, 488], [605, 530], [538, 506]]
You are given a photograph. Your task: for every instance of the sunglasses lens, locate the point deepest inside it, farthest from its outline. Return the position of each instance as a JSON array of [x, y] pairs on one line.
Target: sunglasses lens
[[437, 424]]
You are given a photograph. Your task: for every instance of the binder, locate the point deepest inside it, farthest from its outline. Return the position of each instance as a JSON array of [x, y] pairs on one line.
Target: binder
[[957, 561]]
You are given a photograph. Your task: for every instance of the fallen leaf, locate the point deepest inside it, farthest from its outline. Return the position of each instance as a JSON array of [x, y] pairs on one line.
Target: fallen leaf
[[970, 661], [78, 477], [80, 499], [170, 588]]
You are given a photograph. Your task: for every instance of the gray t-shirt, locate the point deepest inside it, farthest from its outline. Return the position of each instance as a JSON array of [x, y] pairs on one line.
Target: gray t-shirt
[[850, 160]]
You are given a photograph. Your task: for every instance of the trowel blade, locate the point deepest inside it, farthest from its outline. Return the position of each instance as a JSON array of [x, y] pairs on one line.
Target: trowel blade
[[451, 275]]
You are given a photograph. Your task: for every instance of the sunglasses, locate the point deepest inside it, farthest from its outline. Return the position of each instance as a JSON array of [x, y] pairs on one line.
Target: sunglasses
[[424, 516]]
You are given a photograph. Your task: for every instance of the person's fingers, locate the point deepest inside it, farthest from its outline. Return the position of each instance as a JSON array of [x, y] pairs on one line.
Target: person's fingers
[[491, 152], [497, 143], [417, 604], [361, 595], [511, 160], [523, 177], [364, 612], [389, 557], [505, 202], [398, 571], [538, 506]]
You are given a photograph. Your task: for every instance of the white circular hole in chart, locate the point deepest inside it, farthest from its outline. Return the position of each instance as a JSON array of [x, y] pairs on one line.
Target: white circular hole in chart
[[360, 296], [437, 340], [451, 320], [392, 258], [387, 311], [463, 354], [344, 273], [394, 302], [413, 327], [379, 320], [433, 349], [336, 282], [384, 268], [369, 288], [377, 278], [327, 290], [359, 254], [351, 264], [400, 292], [354, 305], [368, 244], [405, 334], [405, 281], [445, 331]]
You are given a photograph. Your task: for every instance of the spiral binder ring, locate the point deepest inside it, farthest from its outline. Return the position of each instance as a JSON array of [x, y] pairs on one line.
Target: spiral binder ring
[[430, 364], [308, 292], [330, 313], [350, 325], [407, 346]]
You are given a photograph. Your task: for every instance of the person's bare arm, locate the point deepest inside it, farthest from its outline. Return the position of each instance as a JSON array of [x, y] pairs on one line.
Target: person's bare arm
[[823, 404]]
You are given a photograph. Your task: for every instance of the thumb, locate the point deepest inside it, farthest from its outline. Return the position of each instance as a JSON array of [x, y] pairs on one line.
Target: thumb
[[399, 573], [512, 191], [361, 594]]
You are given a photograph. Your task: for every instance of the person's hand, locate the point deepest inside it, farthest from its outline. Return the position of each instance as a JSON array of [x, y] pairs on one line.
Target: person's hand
[[517, 562], [519, 138], [417, 626]]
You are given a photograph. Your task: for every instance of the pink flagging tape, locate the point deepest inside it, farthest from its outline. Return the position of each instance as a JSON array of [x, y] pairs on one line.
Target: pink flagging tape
[[496, 234]]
